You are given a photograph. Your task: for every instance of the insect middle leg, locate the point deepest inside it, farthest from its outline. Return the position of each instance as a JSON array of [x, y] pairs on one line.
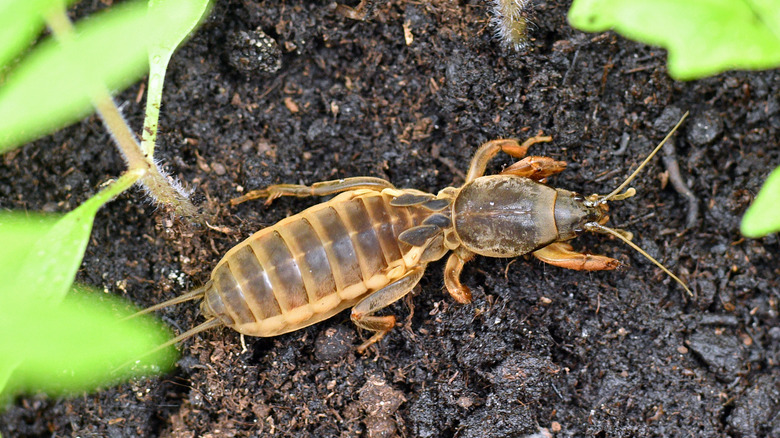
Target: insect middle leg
[[363, 313], [452, 270], [489, 150], [317, 189]]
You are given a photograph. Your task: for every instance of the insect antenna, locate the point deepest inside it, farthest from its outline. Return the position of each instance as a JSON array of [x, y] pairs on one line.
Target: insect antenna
[[598, 228], [191, 295], [213, 322], [616, 195]]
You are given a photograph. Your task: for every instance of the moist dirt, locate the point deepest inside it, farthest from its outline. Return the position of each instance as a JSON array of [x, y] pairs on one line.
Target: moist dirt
[[408, 95]]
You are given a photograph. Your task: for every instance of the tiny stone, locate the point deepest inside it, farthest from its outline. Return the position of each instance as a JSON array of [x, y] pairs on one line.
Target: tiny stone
[[254, 52], [465, 402], [753, 408], [218, 168], [291, 105], [379, 399], [668, 118], [380, 427], [721, 353], [704, 128]]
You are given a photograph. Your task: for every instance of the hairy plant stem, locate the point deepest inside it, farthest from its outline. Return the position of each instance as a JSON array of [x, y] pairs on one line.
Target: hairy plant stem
[[158, 185], [157, 67]]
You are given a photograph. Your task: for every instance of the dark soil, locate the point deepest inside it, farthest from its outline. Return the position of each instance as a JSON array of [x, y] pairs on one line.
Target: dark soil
[[541, 350]]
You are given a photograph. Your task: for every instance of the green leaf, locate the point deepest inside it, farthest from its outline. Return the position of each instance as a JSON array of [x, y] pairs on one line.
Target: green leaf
[[7, 367], [77, 345], [178, 30], [763, 216], [18, 232], [45, 256], [53, 85], [703, 37], [159, 55], [20, 22], [54, 345]]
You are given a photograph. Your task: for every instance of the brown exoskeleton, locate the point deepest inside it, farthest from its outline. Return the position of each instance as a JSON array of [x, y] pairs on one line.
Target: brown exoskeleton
[[369, 246]]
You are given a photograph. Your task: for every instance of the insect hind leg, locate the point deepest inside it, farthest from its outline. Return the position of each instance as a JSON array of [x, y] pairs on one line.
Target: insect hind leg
[[363, 313], [323, 188]]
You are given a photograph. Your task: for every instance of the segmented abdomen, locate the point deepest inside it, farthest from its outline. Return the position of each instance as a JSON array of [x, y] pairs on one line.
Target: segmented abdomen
[[310, 266]]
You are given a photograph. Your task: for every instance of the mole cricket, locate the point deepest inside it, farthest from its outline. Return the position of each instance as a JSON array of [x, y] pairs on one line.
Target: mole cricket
[[369, 246]]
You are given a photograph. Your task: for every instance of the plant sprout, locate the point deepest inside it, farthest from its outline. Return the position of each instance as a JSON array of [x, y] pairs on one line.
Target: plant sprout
[[54, 336]]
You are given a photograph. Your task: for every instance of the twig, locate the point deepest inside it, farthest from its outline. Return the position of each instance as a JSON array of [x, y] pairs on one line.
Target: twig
[[670, 161], [572, 66]]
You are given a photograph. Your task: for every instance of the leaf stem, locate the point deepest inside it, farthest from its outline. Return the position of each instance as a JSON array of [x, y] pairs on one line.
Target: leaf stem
[[161, 187], [157, 66]]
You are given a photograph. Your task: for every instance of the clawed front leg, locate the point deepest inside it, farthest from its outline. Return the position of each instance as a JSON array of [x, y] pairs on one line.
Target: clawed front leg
[[489, 150], [563, 255], [535, 168], [317, 189]]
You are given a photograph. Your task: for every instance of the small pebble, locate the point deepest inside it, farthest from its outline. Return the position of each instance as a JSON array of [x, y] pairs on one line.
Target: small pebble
[[704, 128], [218, 168], [465, 402], [721, 353], [380, 427], [379, 399], [668, 118], [754, 409], [254, 52]]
